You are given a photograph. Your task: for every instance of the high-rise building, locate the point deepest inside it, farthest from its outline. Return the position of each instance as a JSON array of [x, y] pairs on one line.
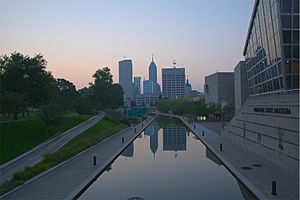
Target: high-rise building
[[137, 85], [173, 83], [125, 78], [272, 47], [153, 71], [148, 87]]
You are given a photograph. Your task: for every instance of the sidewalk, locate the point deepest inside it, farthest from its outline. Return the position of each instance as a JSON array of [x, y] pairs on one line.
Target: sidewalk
[[71, 177], [33, 156], [259, 178]]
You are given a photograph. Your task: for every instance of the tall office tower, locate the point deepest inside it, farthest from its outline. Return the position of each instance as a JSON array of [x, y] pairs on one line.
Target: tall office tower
[[272, 47], [173, 83], [152, 71], [137, 85], [148, 87], [153, 77], [125, 78]]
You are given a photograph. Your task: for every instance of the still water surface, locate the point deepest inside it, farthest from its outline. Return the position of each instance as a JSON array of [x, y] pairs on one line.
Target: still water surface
[[166, 161]]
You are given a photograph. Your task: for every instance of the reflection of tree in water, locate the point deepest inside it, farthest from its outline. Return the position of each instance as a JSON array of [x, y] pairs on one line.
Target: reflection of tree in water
[[164, 121]]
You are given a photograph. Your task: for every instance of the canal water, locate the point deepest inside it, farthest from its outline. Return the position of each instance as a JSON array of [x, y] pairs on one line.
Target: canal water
[[167, 161]]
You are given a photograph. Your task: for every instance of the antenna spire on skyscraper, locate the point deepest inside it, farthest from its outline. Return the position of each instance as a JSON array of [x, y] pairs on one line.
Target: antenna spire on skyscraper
[[152, 57]]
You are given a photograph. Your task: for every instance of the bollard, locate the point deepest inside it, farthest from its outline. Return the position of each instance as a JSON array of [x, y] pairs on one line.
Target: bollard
[[122, 139], [135, 130], [274, 188], [194, 126], [221, 147], [202, 133], [142, 124], [95, 161]]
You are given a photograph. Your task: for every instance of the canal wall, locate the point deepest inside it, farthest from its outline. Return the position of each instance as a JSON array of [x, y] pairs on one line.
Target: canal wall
[[68, 179], [253, 170]]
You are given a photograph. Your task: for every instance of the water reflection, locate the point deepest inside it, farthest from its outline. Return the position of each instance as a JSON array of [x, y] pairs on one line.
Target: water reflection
[[195, 174], [128, 152]]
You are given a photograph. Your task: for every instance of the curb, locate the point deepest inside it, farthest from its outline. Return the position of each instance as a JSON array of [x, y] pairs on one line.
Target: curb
[[230, 168], [59, 165], [89, 181]]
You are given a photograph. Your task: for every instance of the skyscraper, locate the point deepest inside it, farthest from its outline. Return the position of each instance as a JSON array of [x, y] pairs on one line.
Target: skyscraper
[[153, 71], [173, 83], [125, 78], [148, 87], [137, 85]]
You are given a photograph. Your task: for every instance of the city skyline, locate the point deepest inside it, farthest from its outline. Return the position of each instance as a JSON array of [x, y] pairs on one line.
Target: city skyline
[[185, 31]]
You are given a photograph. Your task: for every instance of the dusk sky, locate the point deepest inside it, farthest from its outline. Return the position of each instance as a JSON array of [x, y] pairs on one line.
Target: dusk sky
[[77, 37]]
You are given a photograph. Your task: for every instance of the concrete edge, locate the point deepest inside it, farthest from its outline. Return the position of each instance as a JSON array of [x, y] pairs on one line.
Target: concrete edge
[[89, 181], [59, 165], [45, 143], [230, 168]]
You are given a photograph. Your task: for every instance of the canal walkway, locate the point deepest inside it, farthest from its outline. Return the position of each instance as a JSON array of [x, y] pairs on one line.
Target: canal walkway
[[69, 178], [36, 154], [251, 169]]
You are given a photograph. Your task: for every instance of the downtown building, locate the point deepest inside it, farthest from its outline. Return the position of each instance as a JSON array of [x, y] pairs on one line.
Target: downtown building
[[267, 123], [125, 79], [151, 89], [173, 83], [219, 88]]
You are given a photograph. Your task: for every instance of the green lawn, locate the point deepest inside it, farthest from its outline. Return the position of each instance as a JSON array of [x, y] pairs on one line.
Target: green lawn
[[103, 129], [17, 137]]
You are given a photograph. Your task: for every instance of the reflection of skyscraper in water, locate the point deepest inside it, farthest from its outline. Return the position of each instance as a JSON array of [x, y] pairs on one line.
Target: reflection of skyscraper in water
[[128, 152], [152, 131], [174, 138]]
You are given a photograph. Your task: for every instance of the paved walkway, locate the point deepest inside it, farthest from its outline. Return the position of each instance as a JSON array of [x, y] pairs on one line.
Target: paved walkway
[[66, 180], [258, 179], [33, 156]]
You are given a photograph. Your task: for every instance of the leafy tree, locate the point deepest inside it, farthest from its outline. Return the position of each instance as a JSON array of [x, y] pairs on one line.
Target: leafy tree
[[27, 77], [100, 88], [116, 96], [104, 93], [11, 102], [66, 91]]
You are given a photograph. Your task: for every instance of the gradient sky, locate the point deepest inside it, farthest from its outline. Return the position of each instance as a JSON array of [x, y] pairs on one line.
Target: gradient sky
[[77, 37]]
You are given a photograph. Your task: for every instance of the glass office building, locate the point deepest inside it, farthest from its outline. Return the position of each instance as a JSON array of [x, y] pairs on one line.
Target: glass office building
[[272, 47]]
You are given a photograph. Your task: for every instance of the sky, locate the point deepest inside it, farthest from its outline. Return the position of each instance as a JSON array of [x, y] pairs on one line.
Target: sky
[[77, 37]]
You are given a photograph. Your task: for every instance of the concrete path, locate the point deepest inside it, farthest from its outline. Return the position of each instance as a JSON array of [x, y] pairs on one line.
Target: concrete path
[[33, 156], [258, 179], [68, 179]]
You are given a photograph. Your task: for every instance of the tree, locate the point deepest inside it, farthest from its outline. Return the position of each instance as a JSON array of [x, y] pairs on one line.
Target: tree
[[33, 81], [66, 91], [104, 93], [11, 102], [100, 88], [116, 96]]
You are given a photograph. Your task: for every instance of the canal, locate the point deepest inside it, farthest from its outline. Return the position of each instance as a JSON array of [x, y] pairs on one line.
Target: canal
[[167, 161]]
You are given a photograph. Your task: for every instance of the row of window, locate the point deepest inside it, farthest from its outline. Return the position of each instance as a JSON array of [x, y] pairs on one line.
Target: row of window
[[270, 73], [270, 86]]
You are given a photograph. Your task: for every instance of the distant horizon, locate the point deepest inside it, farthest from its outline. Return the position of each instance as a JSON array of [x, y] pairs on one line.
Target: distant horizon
[[77, 38]]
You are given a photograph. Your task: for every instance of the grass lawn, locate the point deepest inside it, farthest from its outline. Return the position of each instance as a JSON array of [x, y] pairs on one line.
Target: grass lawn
[[103, 129], [17, 137]]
